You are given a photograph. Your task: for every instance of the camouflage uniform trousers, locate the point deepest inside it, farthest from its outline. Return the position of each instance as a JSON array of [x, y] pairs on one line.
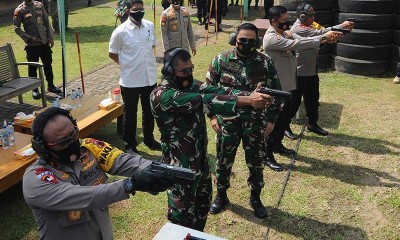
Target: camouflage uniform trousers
[[188, 205], [251, 134]]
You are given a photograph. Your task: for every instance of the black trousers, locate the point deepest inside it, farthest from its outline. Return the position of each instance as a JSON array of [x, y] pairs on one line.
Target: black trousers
[[44, 52], [276, 137], [201, 10], [218, 18], [131, 99], [267, 5], [308, 87]]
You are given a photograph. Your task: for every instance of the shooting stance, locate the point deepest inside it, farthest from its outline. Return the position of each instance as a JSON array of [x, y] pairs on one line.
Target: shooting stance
[[279, 43], [242, 68], [307, 75], [179, 104], [66, 187]]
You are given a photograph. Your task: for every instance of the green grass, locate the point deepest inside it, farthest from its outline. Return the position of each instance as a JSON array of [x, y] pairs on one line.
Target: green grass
[[344, 186]]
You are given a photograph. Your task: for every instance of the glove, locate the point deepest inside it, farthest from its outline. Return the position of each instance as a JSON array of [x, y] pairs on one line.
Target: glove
[[145, 180]]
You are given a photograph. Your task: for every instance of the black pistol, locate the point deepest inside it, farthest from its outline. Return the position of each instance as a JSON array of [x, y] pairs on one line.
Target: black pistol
[[342, 30], [275, 93], [176, 172]]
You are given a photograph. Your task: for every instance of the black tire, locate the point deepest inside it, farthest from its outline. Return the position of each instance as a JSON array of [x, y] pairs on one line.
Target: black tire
[[368, 21], [368, 36], [324, 17], [367, 6], [325, 49], [364, 52], [393, 66], [325, 61], [361, 67], [396, 37], [396, 53], [291, 5]]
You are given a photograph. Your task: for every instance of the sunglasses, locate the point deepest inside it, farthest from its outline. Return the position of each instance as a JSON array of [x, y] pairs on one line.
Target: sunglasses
[[246, 40], [186, 71], [65, 142], [141, 10]]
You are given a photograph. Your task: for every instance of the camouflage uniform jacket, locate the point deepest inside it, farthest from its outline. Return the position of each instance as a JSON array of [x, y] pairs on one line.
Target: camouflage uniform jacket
[[64, 206], [36, 23], [120, 10], [180, 117], [227, 70], [176, 29]]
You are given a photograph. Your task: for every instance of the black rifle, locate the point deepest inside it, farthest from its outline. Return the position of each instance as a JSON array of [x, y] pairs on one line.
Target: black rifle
[[177, 172], [275, 93], [342, 30]]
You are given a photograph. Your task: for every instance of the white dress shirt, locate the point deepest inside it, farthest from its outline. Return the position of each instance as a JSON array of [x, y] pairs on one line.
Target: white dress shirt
[[134, 46]]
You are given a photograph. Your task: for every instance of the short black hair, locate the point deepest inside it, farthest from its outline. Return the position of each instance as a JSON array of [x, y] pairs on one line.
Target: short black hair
[[129, 3], [247, 26], [275, 12], [182, 54], [301, 6]]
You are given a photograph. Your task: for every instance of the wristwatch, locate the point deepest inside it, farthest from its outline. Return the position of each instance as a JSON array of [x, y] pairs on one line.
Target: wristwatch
[[323, 38], [128, 185]]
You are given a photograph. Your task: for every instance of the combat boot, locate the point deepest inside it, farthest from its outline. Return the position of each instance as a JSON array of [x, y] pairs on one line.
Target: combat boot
[[255, 202], [220, 201]]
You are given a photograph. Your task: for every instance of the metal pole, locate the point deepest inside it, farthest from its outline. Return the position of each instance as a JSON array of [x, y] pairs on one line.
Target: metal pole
[[80, 61], [208, 22]]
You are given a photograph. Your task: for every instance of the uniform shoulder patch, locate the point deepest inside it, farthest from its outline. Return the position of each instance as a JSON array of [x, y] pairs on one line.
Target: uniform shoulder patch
[[163, 19], [45, 175]]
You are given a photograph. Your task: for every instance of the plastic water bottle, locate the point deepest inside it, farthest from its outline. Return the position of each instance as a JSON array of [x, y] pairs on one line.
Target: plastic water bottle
[[56, 102], [73, 98], [79, 96], [11, 136], [4, 136]]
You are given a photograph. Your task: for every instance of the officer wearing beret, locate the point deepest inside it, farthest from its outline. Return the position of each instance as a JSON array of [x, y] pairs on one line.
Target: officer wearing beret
[[66, 187]]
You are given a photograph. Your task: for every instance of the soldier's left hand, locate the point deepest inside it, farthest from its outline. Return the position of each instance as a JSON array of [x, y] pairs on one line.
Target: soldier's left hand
[[214, 124], [51, 42], [268, 130], [194, 52]]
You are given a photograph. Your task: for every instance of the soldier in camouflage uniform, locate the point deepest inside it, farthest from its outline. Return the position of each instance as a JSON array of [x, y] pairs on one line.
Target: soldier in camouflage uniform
[[243, 68], [178, 105], [121, 11], [54, 14]]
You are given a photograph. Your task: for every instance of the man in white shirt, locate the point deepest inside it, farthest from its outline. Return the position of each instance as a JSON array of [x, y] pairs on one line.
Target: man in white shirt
[[131, 46]]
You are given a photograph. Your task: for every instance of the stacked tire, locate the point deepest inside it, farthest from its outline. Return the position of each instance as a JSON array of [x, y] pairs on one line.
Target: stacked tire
[[368, 49], [396, 43], [324, 15]]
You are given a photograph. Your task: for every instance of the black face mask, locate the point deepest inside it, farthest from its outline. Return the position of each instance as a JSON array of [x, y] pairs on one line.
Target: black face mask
[[137, 16], [69, 154], [246, 48], [178, 82], [284, 26]]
